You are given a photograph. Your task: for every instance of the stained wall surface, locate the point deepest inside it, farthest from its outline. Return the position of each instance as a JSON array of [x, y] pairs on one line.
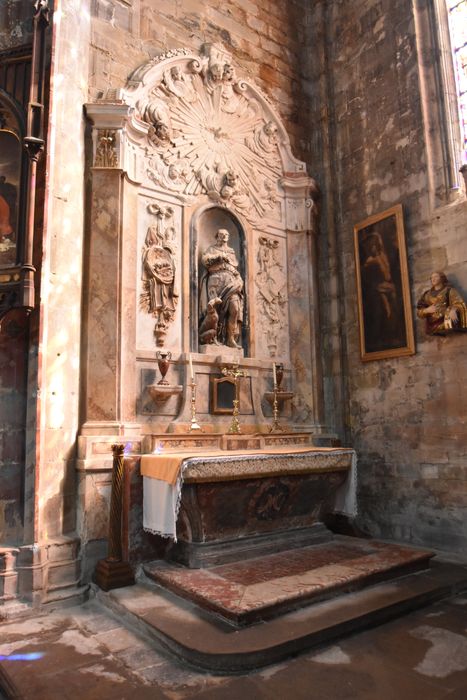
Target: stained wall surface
[[347, 78], [406, 416]]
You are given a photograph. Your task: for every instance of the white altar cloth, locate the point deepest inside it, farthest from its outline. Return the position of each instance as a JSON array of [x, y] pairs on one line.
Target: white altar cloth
[[161, 499]]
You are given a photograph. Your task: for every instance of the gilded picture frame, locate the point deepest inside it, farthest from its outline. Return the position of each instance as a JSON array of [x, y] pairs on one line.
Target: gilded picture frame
[[222, 395], [383, 290]]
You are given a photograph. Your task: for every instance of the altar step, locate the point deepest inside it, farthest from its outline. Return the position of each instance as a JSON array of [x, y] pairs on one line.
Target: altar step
[[206, 641], [238, 616], [248, 591]]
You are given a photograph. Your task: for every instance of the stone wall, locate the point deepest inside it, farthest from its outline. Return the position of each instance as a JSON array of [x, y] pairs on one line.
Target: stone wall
[[15, 23], [263, 36], [405, 416]]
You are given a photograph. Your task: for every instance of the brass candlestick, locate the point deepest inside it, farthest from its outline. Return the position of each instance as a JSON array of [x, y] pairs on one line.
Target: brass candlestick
[[276, 427], [235, 373], [194, 423]]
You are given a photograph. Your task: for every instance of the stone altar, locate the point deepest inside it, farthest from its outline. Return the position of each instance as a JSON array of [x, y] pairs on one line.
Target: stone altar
[[243, 506], [202, 246]]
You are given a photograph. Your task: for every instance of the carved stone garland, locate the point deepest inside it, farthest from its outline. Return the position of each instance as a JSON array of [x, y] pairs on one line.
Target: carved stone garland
[[271, 294]]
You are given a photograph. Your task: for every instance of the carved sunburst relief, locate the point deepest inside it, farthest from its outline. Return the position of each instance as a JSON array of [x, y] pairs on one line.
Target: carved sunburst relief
[[208, 132]]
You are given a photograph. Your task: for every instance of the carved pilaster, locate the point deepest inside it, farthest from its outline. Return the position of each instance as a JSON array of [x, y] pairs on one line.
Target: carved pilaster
[[109, 332], [302, 197], [271, 295], [106, 150]]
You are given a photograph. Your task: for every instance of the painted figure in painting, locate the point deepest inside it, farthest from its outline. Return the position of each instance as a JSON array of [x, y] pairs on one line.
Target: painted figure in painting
[[442, 307], [223, 282], [377, 274], [10, 169], [7, 207], [381, 293]]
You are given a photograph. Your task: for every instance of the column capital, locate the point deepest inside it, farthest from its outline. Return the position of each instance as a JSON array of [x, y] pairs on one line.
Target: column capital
[[108, 119], [302, 196]]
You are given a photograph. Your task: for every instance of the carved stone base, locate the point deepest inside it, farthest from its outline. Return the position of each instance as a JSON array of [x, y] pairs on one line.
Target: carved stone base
[[40, 574], [111, 574], [198, 555], [223, 352], [249, 440]]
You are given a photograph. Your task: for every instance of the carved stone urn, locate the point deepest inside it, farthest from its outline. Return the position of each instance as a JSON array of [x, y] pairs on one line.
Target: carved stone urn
[[163, 362], [162, 391]]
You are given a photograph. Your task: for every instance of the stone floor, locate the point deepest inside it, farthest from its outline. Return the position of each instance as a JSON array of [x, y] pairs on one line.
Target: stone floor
[[85, 653]]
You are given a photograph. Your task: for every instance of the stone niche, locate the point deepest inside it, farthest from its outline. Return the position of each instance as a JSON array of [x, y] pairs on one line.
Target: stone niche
[[189, 147]]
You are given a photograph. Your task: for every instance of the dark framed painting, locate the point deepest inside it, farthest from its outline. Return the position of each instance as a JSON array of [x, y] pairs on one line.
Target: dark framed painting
[[10, 173], [383, 291], [222, 395], [12, 181]]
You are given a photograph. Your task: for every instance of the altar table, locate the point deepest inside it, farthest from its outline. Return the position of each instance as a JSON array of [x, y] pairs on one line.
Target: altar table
[[165, 473]]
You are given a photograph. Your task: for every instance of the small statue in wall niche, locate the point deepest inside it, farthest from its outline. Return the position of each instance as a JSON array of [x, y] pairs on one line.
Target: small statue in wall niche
[[160, 295], [223, 287], [442, 307]]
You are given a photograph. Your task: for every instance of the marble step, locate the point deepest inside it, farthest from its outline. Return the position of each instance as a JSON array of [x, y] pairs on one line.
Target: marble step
[[248, 591], [206, 641]]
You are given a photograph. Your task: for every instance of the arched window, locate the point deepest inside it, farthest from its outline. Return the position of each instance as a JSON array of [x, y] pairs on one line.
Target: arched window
[[457, 19]]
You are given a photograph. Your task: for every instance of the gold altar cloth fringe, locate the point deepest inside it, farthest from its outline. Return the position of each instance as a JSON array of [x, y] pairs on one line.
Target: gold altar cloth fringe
[[166, 466]]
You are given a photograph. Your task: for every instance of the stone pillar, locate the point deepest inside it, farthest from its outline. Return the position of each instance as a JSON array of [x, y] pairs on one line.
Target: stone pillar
[[109, 332], [109, 329], [305, 347], [47, 561]]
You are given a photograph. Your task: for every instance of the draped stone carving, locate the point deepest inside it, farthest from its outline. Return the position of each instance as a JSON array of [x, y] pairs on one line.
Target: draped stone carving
[[160, 296]]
